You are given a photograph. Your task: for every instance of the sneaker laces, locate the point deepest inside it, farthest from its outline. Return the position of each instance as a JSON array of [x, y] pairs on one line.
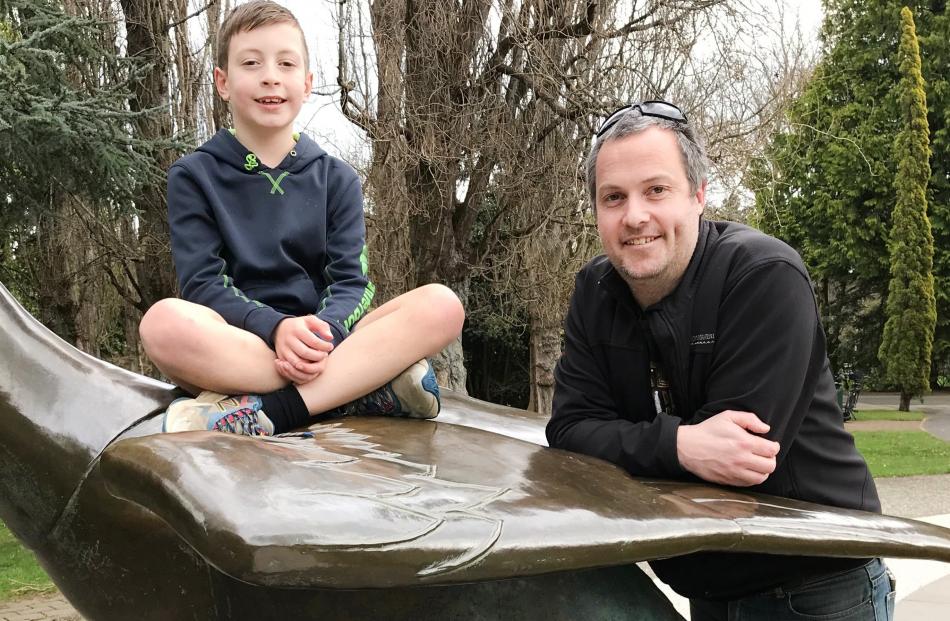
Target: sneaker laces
[[243, 421], [382, 401]]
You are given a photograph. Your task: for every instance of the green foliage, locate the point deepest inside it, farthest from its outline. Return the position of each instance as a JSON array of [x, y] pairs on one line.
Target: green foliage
[[64, 115], [496, 353], [903, 453], [73, 169], [495, 337], [935, 57], [911, 308], [827, 185]]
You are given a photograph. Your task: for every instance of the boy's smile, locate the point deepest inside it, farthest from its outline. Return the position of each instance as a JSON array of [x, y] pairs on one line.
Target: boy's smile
[[266, 80]]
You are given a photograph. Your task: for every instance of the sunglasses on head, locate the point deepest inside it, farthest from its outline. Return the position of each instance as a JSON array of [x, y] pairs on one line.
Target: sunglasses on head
[[657, 108]]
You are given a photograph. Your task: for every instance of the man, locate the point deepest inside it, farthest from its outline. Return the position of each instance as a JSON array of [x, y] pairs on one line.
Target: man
[[693, 351]]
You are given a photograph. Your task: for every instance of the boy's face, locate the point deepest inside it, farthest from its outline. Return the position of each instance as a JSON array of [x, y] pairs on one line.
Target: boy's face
[[266, 81]]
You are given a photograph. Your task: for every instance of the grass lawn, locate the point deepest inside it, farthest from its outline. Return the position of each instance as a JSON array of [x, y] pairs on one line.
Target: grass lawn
[[19, 572], [903, 453], [886, 415]]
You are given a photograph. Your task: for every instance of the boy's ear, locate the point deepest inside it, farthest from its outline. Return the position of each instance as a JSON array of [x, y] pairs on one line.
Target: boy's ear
[[221, 83], [308, 84]]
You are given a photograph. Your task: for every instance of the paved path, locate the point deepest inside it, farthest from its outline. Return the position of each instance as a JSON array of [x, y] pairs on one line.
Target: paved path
[[935, 407], [52, 607], [923, 587]]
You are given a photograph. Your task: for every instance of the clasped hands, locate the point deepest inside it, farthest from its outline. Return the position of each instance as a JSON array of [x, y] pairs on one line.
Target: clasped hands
[[727, 449], [302, 345]]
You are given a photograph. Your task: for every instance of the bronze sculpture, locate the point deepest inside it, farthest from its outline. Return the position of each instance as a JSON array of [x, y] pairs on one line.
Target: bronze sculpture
[[462, 517]]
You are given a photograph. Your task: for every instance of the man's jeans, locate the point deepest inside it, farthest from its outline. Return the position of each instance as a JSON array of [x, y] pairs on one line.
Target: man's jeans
[[862, 594]]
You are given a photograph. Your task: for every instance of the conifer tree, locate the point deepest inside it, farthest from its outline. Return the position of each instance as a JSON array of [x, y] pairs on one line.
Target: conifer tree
[[64, 121], [72, 170], [911, 307], [827, 183], [64, 109]]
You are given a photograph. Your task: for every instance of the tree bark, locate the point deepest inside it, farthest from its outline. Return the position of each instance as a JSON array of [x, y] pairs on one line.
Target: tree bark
[[148, 38], [545, 347], [56, 308], [218, 114]]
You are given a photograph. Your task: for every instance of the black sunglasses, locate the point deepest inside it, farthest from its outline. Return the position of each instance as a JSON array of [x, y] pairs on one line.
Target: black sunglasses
[[657, 108]]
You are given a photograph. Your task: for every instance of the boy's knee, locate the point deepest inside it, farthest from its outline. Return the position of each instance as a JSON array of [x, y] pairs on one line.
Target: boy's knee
[[160, 324], [445, 307]]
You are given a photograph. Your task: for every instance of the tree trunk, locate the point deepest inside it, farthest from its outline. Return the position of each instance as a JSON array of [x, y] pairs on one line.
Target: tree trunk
[[450, 367], [218, 114], [56, 306], [476, 101], [148, 38], [73, 295], [134, 357], [450, 362], [545, 347], [905, 402]]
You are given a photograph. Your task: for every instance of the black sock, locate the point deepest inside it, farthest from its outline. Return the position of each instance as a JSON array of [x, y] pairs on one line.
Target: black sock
[[285, 408]]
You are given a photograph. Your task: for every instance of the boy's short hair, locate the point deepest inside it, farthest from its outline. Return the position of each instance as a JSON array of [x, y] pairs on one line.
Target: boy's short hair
[[253, 15]]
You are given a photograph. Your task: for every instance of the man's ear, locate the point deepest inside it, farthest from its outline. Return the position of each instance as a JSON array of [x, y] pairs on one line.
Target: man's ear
[[701, 196], [221, 83]]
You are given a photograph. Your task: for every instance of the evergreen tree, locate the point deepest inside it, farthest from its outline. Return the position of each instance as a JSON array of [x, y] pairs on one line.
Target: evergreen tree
[[935, 58], [911, 309], [64, 117], [827, 184], [72, 169]]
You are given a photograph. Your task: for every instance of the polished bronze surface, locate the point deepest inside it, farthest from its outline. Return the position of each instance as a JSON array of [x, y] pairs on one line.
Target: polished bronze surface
[[392, 502], [59, 409], [468, 516]]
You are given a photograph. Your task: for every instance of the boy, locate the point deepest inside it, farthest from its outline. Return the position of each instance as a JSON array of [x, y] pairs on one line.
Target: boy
[[268, 240]]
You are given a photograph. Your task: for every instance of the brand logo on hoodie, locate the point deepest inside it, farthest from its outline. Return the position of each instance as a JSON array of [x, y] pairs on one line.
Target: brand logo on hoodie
[[250, 162], [275, 183]]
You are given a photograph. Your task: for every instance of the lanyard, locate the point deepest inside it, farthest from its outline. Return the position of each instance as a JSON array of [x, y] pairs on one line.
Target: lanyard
[[660, 388]]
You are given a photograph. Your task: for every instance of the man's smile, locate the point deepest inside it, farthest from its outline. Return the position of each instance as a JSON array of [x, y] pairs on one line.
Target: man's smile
[[640, 241]]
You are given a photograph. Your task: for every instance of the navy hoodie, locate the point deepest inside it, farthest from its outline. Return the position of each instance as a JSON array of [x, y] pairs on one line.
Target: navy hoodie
[[258, 244]]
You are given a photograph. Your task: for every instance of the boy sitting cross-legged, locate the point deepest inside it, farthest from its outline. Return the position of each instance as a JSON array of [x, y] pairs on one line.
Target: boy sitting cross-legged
[[268, 240]]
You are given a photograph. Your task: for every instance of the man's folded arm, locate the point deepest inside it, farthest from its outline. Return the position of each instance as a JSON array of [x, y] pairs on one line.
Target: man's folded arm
[[769, 351]]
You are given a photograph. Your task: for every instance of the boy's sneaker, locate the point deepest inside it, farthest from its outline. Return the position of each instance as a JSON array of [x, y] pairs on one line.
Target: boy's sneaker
[[413, 394], [211, 411]]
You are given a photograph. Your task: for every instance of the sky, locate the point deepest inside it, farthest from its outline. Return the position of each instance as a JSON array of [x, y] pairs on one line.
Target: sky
[[322, 117]]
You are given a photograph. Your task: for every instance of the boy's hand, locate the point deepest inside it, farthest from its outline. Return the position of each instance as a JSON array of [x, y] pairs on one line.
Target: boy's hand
[[292, 375], [302, 345]]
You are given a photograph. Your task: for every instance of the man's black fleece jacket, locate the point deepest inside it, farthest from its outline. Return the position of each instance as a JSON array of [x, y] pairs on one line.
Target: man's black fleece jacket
[[764, 352]]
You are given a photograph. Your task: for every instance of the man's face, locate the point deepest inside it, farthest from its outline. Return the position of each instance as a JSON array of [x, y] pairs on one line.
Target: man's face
[[266, 81], [647, 217]]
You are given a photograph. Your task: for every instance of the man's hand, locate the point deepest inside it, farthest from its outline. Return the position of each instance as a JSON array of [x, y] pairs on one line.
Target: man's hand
[[725, 449], [302, 345]]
